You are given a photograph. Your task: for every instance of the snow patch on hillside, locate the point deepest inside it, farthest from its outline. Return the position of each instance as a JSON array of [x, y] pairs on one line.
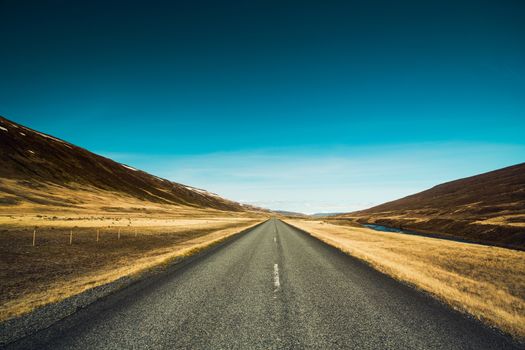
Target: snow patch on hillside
[[128, 167], [204, 192], [1, 127], [53, 138]]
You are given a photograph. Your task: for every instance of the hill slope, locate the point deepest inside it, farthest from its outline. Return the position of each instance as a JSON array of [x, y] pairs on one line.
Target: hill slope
[[39, 169], [489, 208]]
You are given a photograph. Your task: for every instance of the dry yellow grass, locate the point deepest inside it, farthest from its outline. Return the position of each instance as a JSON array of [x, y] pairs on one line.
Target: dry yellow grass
[[54, 270], [151, 233], [51, 199], [504, 220], [486, 282]]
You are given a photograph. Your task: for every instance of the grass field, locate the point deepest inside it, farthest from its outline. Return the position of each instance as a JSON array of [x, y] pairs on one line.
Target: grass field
[[486, 282], [54, 269]]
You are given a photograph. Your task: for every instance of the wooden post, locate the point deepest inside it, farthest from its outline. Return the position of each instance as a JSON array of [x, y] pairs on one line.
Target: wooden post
[[34, 237], [98, 234], [70, 237], [119, 233]]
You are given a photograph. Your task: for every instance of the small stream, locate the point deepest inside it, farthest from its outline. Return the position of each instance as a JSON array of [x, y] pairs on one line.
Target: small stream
[[391, 229], [431, 235]]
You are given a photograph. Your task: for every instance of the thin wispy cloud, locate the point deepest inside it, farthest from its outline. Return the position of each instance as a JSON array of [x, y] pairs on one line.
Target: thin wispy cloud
[[328, 180]]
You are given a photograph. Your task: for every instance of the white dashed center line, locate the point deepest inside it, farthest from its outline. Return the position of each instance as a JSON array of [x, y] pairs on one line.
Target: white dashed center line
[[275, 240], [276, 282]]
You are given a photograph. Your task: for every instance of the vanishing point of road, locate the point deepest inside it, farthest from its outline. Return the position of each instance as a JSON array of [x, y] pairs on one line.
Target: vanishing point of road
[[273, 287]]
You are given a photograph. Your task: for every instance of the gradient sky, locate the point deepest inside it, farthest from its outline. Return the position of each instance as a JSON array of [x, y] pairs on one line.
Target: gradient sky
[[296, 105]]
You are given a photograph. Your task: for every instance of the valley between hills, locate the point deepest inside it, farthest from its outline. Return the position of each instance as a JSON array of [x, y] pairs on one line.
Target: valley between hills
[[72, 221]]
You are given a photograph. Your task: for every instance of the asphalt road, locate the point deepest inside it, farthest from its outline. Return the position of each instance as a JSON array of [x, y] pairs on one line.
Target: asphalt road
[[272, 288]]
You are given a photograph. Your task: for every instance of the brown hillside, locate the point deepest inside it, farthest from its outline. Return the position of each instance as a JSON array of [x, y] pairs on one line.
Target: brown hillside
[[488, 208], [34, 166]]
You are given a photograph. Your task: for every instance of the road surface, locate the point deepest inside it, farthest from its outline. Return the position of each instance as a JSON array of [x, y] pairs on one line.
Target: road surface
[[272, 288]]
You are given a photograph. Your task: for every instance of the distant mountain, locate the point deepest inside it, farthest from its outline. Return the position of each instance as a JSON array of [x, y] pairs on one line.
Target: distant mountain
[[324, 215], [289, 213], [488, 208], [35, 166]]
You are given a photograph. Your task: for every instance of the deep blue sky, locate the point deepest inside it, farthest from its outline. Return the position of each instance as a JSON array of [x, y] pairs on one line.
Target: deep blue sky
[[160, 84]]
